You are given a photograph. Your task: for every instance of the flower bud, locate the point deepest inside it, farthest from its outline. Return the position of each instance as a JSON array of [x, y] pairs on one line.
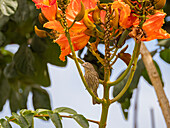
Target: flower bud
[[159, 4], [40, 33], [96, 15], [115, 20], [81, 14], [88, 23], [42, 18]]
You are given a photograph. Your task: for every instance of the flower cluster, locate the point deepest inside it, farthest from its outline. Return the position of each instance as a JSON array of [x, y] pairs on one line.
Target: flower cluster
[[143, 19]]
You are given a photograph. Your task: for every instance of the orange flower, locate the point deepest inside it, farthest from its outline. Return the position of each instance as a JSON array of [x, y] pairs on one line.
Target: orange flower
[[79, 41], [125, 12], [152, 27], [48, 8], [78, 38]]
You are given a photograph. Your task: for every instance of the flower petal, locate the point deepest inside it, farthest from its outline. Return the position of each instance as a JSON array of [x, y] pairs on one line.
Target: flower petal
[[48, 8], [154, 22], [55, 25], [49, 12], [158, 34], [79, 42], [124, 13]]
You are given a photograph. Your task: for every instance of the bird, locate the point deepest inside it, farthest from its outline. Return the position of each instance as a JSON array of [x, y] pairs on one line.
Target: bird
[[92, 79]]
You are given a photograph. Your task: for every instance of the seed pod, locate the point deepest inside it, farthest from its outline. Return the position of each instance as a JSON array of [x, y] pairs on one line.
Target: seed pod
[[80, 15], [96, 15], [42, 18], [159, 4], [89, 24], [115, 20], [40, 33]]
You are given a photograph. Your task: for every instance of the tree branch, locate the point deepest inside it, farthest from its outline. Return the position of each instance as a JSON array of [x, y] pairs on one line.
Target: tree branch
[[156, 82]]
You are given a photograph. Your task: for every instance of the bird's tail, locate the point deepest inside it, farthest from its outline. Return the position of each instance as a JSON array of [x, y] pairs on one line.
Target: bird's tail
[[94, 101]]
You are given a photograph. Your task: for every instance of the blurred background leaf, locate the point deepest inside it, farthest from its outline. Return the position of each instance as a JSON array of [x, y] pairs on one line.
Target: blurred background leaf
[[26, 70]]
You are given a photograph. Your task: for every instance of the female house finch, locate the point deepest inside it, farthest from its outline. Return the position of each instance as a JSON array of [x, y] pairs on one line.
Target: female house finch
[[92, 78]]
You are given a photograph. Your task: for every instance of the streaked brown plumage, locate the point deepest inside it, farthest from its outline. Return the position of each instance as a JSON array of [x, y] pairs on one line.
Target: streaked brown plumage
[[92, 78]]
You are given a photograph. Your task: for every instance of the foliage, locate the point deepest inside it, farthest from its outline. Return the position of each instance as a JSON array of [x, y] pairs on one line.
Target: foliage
[[25, 118], [26, 70]]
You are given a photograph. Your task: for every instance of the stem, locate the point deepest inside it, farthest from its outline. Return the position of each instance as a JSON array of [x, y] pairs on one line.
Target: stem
[[93, 121], [136, 54], [79, 69], [123, 37], [79, 60], [106, 100], [72, 24], [114, 54], [126, 71], [95, 54], [114, 61], [105, 108], [156, 82]]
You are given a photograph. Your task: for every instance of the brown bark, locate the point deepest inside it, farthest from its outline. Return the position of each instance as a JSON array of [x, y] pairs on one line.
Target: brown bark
[[156, 82]]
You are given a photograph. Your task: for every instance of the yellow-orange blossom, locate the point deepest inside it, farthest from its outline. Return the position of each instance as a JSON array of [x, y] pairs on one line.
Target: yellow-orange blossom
[[152, 25]]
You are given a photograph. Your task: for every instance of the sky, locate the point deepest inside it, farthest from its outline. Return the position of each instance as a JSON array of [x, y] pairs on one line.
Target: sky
[[67, 90]]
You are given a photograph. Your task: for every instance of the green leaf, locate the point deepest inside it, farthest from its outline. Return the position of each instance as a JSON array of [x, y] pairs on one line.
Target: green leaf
[[28, 115], [52, 55], [18, 96], [125, 107], [10, 71], [42, 111], [21, 120], [4, 20], [14, 101], [41, 76], [125, 99], [24, 60], [65, 110], [8, 7], [49, 51], [41, 98], [164, 43], [81, 120], [5, 124], [38, 45], [146, 76], [22, 12], [4, 90], [165, 55], [2, 39], [55, 117]]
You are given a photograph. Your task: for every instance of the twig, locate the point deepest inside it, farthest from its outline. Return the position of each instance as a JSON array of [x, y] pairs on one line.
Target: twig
[[136, 54], [126, 71], [93, 121], [79, 60], [156, 82]]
